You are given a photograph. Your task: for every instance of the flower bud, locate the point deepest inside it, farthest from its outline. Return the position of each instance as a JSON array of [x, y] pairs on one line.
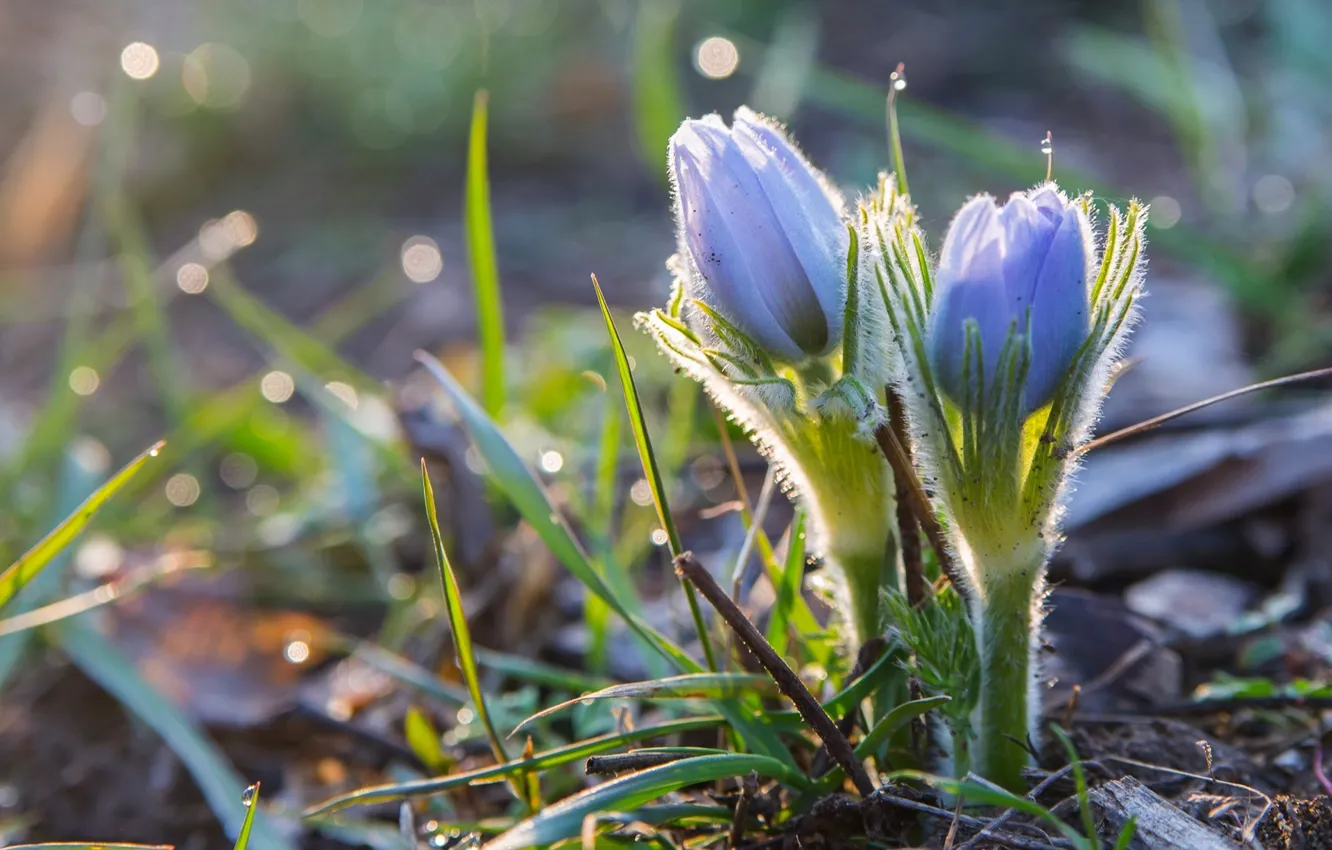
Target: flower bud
[[762, 233], [1022, 269]]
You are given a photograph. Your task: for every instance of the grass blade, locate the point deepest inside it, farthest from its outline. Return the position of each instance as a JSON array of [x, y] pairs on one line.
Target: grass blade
[[977, 791], [658, 105], [689, 686], [88, 845], [250, 799], [1079, 781], [217, 780], [788, 591], [652, 472], [882, 731], [462, 634], [485, 268], [528, 495], [35, 559], [541, 761], [565, 819]]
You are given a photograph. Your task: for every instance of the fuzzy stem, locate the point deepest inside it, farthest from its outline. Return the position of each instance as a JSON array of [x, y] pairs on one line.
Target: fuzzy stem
[[865, 577], [1004, 615]]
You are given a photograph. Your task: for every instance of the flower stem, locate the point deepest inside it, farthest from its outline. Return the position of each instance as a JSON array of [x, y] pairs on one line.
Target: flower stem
[[1004, 630]]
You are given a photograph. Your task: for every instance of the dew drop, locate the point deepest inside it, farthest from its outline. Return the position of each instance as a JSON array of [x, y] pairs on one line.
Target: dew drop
[[898, 79], [1047, 146], [248, 797]]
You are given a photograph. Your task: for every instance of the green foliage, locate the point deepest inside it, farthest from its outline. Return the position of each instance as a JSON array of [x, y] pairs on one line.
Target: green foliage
[[485, 266]]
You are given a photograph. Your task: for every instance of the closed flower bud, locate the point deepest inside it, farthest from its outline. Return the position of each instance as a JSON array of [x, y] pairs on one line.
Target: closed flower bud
[[762, 233], [1020, 268]]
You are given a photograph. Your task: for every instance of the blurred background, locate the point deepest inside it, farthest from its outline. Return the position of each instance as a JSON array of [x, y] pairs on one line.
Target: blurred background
[[230, 224]]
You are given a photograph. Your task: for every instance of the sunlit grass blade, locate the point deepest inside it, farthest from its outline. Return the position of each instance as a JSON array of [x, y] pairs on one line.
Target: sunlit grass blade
[[529, 497], [1079, 780], [541, 761], [423, 740], [219, 783], [88, 845], [652, 472], [689, 686], [485, 268], [462, 634], [35, 559], [788, 591], [880, 733], [565, 819], [975, 790], [658, 104], [250, 800]]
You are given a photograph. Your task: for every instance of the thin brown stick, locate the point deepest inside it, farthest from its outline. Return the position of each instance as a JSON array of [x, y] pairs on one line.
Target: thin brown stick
[[900, 461], [917, 589], [1155, 421], [624, 762], [869, 653], [787, 681], [748, 788]]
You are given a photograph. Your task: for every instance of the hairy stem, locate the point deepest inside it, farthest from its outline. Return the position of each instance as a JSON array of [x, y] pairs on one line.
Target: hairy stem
[[1005, 618]]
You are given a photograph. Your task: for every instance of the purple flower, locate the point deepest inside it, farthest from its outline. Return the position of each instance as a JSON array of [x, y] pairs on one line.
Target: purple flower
[[762, 232], [1023, 266]]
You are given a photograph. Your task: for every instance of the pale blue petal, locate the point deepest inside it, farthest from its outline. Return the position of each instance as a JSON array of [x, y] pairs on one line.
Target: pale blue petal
[[962, 300], [974, 226], [737, 245], [811, 224], [1060, 317], [1027, 235]]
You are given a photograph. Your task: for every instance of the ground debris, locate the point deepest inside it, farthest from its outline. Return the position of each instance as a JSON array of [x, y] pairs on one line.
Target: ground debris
[[1296, 824], [1158, 824]]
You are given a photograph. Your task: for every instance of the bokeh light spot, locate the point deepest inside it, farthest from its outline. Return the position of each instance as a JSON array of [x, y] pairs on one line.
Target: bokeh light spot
[[329, 18], [345, 393], [1165, 212], [88, 108], [717, 58], [182, 489], [192, 278], [215, 75], [238, 470], [552, 461], [421, 259], [277, 386], [84, 380], [1273, 193], [139, 60]]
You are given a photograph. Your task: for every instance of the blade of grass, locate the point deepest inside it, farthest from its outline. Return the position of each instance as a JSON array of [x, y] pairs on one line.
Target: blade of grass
[[602, 519], [688, 686], [249, 799], [653, 473], [529, 497], [788, 590], [527, 494], [881, 732], [35, 559], [565, 819], [88, 845], [541, 761], [1079, 781], [975, 790], [217, 780], [658, 104], [462, 637], [485, 268]]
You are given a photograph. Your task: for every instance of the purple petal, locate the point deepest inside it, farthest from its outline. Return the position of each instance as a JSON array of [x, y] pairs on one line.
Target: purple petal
[[975, 226], [810, 222], [736, 244], [1059, 316], [1027, 235], [960, 301]]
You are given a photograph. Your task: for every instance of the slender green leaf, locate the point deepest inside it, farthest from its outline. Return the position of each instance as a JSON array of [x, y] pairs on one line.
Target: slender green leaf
[[485, 268], [788, 592], [539, 672], [528, 495], [250, 800], [977, 791], [1126, 834], [541, 761], [423, 739], [652, 472], [88, 845], [35, 559], [462, 634], [689, 686], [1079, 781], [880, 733], [658, 104], [217, 780], [627, 793]]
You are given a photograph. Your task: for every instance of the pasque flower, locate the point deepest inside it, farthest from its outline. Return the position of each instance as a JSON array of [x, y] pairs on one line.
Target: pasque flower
[[764, 233], [1017, 269], [1002, 353], [772, 314]]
